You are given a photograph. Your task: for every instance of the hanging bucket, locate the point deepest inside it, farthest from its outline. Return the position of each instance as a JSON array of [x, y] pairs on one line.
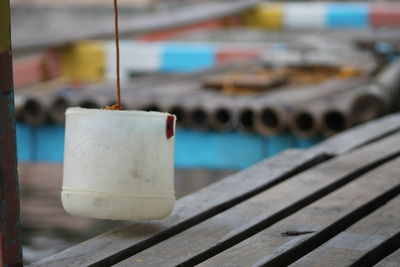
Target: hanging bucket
[[118, 165]]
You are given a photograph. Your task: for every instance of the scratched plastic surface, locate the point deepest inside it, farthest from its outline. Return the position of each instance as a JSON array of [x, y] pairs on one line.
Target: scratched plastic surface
[[118, 165]]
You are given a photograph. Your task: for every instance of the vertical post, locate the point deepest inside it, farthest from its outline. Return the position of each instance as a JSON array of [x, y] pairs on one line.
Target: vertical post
[[10, 235]]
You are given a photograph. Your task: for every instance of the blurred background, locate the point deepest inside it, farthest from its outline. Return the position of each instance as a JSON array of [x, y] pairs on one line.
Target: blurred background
[[246, 79]]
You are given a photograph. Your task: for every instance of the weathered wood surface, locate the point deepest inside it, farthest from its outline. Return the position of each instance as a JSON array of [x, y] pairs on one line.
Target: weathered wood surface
[[223, 215], [393, 260], [235, 224], [351, 246], [292, 237], [190, 210], [10, 235]]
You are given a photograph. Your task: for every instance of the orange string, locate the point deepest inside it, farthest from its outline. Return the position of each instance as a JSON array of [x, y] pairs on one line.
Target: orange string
[[118, 105]]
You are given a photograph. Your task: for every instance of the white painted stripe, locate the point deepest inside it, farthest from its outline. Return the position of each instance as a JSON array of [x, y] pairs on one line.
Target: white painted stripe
[[136, 57], [304, 15]]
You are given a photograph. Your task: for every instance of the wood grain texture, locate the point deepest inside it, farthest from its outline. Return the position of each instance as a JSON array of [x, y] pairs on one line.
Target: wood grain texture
[[351, 245], [287, 240], [10, 236], [121, 243], [241, 221], [393, 260]]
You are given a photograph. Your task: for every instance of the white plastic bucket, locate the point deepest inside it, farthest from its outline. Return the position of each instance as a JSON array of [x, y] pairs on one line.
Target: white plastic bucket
[[118, 165]]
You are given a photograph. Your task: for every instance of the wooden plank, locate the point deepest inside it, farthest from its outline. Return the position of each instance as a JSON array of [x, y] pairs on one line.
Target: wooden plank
[[350, 246], [393, 260], [121, 243], [233, 225], [10, 235], [210, 201], [360, 135], [292, 237]]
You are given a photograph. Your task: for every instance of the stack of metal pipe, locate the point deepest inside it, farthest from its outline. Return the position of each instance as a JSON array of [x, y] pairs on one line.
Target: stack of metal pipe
[[48, 101], [327, 108], [359, 103]]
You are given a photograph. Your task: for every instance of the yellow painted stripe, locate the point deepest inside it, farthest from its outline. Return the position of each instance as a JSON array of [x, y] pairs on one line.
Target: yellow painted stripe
[[5, 26], [84, 61], [268, 16]]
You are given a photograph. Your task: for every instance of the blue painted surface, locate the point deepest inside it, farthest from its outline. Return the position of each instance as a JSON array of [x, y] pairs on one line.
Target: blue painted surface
[[25, 142], [177, 57], [49, 143], [308, 142], [347, 15], [217, 150], [193, 149], [279, 143]]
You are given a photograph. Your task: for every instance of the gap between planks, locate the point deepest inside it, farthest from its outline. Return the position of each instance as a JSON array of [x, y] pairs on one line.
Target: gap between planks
[[365, 243], [234, 225], [393, 260], [319, 222], [119, 244]]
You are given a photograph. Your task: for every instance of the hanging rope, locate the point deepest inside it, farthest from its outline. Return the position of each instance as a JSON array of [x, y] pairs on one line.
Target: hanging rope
[[118, 105]]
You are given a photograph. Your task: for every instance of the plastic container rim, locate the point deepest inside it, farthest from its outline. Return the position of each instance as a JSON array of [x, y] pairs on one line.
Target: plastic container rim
[[104, 112]]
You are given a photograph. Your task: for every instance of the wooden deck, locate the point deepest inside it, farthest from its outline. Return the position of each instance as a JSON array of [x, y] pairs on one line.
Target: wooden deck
[[336, 204]]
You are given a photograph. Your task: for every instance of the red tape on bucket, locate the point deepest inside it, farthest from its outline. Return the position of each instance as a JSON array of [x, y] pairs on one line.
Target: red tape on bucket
[[170, 126]]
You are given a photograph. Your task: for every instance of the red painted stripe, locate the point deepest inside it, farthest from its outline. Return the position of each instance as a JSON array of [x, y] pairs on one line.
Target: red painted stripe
[[28, 71], [385, 15], [226, 55], [171, 33], [52, 64]]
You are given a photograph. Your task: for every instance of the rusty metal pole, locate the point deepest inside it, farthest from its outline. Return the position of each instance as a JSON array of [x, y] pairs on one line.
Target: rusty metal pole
[[10, 237]]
